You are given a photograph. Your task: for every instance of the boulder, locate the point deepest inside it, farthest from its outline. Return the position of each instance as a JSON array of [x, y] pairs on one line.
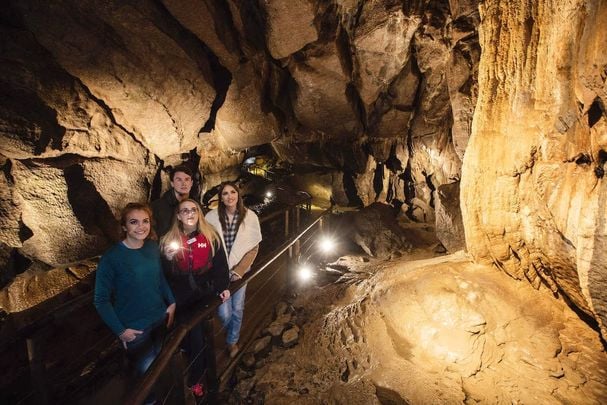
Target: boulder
[[290, 337], [261, 347], [375, 230]]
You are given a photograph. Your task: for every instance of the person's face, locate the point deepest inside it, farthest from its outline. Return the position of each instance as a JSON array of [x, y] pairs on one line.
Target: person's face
[[137, 225], [188, 215], [182, 183], [229, 197]]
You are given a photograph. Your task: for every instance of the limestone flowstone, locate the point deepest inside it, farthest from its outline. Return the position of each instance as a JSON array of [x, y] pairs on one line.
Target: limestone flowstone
[[532, 189]]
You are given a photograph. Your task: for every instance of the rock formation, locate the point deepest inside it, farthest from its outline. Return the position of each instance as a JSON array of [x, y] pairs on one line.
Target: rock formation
[[533, 188]]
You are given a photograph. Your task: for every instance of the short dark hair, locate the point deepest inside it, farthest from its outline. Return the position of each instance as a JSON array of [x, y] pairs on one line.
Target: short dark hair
[[181, 168]]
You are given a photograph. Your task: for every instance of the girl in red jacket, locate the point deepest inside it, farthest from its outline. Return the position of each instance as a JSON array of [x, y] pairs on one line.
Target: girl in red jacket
[[197, 271]]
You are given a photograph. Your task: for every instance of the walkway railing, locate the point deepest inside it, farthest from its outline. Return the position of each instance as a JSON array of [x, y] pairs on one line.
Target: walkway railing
[[171, 348], [33, 336]]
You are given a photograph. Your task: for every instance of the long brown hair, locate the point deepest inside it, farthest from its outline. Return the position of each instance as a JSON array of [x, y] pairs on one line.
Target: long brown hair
[[203, 227], [240, 208], [136, 206]]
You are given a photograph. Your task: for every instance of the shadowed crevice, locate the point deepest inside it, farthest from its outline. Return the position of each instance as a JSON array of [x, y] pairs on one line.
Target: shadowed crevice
[[89, 207]]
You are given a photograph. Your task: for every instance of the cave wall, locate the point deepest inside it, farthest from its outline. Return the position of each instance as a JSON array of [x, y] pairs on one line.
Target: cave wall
[[533, 191]]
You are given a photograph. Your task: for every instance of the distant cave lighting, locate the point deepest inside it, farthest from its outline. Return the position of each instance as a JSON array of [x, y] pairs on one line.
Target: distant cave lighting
[[174, 245], [305, 272], [269, 194], [327, 244]]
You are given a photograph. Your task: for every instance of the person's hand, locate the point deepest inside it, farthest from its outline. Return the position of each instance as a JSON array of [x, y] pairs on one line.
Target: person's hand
[[170, 314], [170, 251], [129, 335], [225, 294]]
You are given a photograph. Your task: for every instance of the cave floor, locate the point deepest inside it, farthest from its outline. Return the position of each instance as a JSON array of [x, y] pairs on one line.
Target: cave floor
[[423, 328]]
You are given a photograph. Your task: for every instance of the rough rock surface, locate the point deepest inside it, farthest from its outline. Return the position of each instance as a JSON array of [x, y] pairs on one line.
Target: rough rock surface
[[27, 291], [320, 101], [241, 120], [152, 87], [533, 188], [382, 45], [458, 331], [375, 230], [449, 225], [290, 26]]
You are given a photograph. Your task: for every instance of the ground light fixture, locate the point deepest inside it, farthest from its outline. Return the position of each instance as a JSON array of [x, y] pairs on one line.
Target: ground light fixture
[[304, 272], [269, 194], [326, 244]]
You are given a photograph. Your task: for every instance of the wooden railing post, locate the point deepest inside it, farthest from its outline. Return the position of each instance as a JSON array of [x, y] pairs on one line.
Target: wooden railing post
[[210, 360], [177, 372], [35, 356]]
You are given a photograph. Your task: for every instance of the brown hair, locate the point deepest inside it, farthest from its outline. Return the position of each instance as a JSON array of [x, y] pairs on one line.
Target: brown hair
[[135, 206], [240, 208], [203, 227]]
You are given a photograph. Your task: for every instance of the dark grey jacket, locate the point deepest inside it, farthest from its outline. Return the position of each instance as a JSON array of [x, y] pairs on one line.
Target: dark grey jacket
[[164, 209]]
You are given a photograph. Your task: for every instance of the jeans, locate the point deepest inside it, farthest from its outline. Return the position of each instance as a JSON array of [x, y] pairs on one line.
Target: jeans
[[230, 313], [142, 351]]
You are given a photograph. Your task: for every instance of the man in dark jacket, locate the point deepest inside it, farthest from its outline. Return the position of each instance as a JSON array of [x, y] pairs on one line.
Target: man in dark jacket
[[164, 207]]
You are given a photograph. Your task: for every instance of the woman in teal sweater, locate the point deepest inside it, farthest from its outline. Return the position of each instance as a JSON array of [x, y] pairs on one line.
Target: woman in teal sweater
[[131, 294]]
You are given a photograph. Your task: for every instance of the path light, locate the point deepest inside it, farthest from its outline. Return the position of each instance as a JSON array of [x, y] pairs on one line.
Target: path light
[[269, 194], [327, 244], [305, 272]]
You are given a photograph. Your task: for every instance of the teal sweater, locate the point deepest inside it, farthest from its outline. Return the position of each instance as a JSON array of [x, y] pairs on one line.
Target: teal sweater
[[130, 288]]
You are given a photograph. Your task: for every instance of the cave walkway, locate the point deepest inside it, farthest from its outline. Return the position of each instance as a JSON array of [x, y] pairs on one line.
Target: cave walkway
[[88, 366]]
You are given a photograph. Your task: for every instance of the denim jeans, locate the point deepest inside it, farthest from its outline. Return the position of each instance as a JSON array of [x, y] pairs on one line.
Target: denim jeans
[[230, 313], [143, 350]]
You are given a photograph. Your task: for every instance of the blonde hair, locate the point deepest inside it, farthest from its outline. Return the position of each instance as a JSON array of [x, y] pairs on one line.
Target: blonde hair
[[203, 227]]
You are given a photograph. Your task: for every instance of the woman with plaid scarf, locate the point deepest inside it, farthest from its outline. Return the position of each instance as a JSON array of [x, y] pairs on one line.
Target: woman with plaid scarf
[[239, 229]]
